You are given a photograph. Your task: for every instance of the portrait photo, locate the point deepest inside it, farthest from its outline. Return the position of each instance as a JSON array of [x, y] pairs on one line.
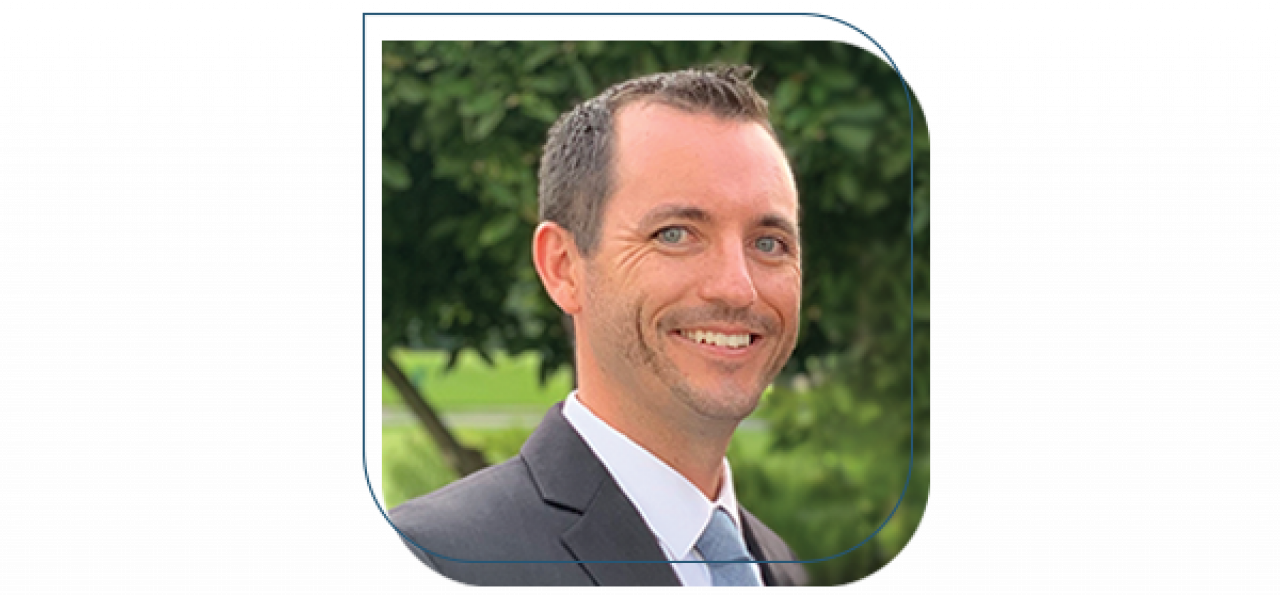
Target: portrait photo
[[653, 312]]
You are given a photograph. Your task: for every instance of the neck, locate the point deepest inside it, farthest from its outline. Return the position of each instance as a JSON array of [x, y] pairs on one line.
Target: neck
[[693, 447]]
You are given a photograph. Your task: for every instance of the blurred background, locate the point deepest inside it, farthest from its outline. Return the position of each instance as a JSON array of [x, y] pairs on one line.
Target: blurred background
[[474, 352]]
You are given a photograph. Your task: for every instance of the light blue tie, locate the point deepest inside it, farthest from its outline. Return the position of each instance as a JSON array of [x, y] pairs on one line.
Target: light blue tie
[[722, 547]]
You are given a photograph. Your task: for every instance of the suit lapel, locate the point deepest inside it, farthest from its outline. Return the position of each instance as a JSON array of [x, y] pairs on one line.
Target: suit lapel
[[612, 530], [568, 475], [765, 545]]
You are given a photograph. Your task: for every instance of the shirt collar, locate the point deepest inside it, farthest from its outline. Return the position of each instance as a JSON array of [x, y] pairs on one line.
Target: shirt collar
[[675, 510]]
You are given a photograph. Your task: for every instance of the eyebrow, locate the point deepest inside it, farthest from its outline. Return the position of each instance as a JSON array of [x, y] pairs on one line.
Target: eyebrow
[[692, 213], [666, 212], [778, 223]]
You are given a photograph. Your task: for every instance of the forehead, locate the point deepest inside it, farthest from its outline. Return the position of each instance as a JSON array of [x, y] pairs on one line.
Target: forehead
[[664, 155]]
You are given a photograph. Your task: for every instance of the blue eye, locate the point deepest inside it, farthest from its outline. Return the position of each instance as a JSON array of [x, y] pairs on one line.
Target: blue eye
[[672, 235], [769, 245]]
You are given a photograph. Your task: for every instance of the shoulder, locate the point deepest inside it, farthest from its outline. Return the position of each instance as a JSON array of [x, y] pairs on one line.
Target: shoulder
[[472, 504], [494, 514]]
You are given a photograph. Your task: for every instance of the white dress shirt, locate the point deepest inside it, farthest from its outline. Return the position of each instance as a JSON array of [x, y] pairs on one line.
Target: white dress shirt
[[674, 509]]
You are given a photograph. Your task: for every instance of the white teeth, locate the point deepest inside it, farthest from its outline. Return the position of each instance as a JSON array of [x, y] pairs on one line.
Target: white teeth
[[718, 339]]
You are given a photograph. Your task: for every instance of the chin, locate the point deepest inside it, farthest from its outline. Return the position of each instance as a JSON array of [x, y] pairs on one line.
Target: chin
[[721, 404]]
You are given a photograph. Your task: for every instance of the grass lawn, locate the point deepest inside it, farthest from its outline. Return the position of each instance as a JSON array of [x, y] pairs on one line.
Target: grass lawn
[[511, 384]]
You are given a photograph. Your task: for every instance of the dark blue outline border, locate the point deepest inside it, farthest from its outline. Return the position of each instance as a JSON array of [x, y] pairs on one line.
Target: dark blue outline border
[[364, 290]]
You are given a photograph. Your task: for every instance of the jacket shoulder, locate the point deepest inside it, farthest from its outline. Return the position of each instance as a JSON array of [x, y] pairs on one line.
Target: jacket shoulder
[[494, 514], [460, 500]]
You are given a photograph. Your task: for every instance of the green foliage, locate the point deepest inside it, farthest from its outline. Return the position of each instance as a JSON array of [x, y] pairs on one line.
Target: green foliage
[[838, 461], [462, 129], [463, 126]]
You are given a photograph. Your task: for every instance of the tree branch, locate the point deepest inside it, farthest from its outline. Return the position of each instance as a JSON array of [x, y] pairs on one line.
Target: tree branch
[[463, 460]]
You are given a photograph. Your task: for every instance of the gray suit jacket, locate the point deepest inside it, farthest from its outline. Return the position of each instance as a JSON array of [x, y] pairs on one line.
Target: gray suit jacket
[[554, 502]]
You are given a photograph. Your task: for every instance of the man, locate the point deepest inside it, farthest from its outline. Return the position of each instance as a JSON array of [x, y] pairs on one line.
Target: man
[[670, 235]]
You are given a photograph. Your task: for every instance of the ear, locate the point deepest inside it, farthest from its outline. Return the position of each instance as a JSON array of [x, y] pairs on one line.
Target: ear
[[556, 257]]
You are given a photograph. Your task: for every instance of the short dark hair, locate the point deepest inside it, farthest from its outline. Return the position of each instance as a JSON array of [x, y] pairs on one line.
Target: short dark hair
[[576, 175]]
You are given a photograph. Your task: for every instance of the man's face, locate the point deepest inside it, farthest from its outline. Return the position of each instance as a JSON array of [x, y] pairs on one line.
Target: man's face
[[693, 293]]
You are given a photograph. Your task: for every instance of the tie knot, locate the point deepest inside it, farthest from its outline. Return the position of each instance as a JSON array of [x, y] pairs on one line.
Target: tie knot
[[720, 541]]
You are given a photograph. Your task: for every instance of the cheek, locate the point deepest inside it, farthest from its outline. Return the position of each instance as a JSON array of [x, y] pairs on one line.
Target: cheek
[[617, 305], [602, 305], [782, 291], [659, 281]]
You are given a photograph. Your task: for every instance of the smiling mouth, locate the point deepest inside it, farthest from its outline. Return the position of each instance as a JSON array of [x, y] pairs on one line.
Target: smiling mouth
[[725, 340]]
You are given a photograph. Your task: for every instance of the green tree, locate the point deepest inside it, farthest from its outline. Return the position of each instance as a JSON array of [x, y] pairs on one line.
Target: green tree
[[463, 125]]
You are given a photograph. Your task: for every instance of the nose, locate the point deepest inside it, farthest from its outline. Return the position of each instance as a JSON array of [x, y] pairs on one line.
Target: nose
[[728, 278]]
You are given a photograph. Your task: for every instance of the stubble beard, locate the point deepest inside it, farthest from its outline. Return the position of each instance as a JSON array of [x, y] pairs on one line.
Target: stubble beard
[[639, 352]]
